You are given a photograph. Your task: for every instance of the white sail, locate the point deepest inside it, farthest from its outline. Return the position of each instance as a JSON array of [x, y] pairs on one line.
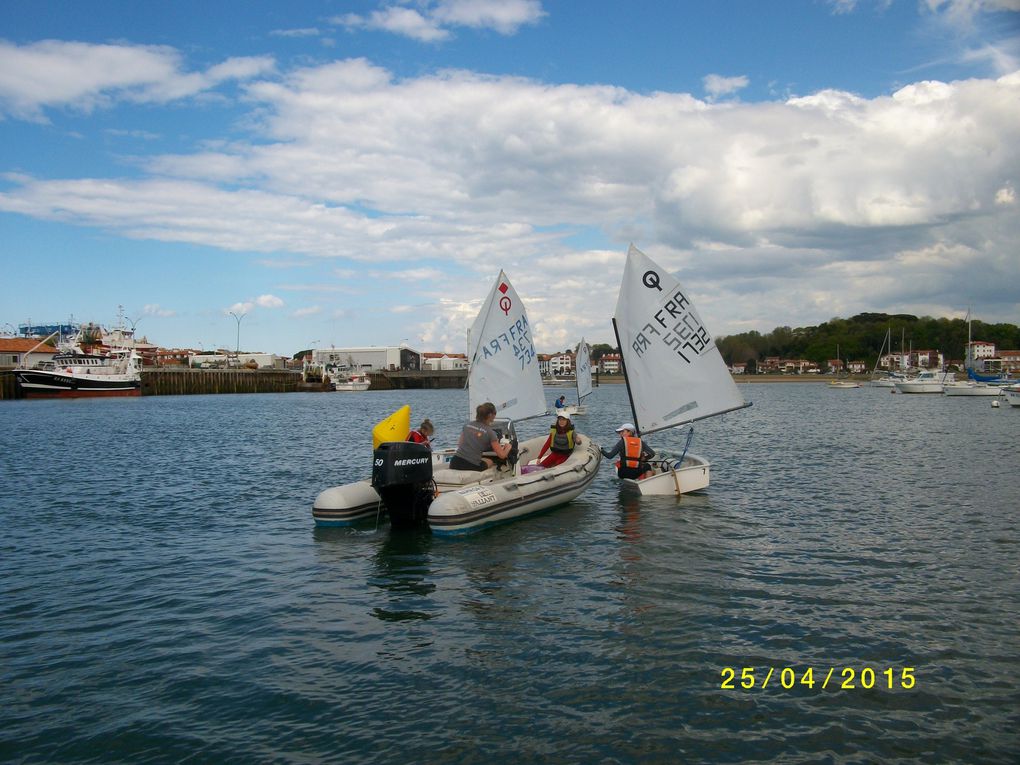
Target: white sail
[[583, 373], [674, 372], [504, 366]]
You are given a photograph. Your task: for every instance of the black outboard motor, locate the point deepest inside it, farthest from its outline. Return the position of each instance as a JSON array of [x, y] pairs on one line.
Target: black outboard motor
[[402, 474], [505, 429]]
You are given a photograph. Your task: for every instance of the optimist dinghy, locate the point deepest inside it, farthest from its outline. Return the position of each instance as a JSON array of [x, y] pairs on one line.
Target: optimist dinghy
[[414, 485], [582, 379], [674, 372]]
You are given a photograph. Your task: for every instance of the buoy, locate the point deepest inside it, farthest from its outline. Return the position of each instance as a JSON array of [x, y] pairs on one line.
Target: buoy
[[995, 404], [393, 428]]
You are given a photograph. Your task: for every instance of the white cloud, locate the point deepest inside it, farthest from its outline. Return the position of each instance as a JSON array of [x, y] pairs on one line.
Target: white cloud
[[84, 76], [433, 22], [716, 85], [772, 208], [153, 309], [309, 311], [268, 301], [505, 16]]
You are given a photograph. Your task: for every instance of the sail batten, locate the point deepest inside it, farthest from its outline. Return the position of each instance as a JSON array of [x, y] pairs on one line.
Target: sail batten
[[504, 366], [675, 374]]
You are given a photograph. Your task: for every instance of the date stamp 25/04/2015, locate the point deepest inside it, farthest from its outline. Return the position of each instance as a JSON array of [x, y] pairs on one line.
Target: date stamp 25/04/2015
[[836, 678]]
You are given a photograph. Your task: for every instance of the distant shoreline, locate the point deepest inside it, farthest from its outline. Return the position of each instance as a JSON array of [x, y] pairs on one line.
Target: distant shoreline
[[751, 379]]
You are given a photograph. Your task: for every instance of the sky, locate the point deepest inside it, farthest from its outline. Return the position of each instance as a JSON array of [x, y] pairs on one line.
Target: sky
[[282, 176]]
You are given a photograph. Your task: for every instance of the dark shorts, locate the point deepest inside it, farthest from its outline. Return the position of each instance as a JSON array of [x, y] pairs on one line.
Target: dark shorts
[[459, 463], [629, 472]]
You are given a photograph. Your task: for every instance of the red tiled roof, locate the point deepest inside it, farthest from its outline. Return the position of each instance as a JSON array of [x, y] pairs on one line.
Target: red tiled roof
[[23, 345]]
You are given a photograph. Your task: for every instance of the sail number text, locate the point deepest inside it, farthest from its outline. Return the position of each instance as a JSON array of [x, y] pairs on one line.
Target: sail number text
[[676, 327], [516, 337]]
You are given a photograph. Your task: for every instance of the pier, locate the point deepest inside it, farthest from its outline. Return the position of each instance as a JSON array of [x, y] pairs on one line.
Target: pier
[[428, 379], [173, 381]]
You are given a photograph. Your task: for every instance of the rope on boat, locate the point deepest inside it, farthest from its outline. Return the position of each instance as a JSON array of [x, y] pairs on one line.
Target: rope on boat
[[690, 437]]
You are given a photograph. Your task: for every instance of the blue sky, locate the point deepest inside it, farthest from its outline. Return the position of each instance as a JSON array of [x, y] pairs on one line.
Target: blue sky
[[357, 173]]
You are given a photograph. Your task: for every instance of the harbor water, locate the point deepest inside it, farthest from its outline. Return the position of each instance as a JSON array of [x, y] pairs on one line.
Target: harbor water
[[846, 591]]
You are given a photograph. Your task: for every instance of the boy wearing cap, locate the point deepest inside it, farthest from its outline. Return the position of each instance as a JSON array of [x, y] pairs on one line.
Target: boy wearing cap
[[633, 452]]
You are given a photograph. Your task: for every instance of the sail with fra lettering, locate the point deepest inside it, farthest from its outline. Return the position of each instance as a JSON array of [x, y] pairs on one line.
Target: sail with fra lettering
[[674, 371], [503, 363]]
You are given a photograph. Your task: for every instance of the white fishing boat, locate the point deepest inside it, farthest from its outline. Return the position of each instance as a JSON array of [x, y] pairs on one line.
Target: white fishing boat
[[844, 384], [1012, 394], [926, 381], [412, 485], [83, 368], [582, 379], [354, 382], [970, 388], [674, 372], [886, 379]]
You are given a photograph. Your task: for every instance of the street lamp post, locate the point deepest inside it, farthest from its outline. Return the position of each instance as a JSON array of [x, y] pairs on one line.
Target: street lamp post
[[237, 348]]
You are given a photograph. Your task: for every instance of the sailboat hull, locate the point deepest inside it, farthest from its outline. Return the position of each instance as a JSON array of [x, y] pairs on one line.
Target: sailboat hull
[[670, 479], [573, 410]]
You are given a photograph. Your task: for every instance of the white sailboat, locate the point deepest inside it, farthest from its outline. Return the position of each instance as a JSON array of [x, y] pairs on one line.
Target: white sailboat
[[582, 379], [674, 372], [970, 387], [503, 364], [503, 370]]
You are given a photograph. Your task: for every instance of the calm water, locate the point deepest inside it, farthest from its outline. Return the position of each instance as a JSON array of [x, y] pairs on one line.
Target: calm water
[[166, 597]]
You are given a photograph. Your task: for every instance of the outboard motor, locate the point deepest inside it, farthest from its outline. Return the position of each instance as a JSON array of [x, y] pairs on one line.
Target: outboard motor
[[505, 429], [402, 474]]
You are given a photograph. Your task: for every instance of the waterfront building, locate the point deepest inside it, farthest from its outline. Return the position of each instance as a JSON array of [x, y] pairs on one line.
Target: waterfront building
[[367, 359], [18, 351], [444, 362]]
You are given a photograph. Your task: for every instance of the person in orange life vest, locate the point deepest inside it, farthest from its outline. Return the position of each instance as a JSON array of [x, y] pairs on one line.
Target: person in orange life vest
[[633, 452], [423, 435], [560, 443]]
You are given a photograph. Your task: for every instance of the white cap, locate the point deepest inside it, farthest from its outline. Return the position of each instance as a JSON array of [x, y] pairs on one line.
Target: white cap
[[562, 413], [627, 426]]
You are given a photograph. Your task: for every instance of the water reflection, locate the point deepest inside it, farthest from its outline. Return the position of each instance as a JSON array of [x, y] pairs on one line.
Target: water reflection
[[403, 571]]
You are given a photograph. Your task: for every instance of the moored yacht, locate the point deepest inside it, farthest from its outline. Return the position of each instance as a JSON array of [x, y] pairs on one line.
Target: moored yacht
[[926, 381]]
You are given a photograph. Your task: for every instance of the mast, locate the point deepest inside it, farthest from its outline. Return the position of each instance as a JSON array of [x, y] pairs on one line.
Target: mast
[[623, 368]]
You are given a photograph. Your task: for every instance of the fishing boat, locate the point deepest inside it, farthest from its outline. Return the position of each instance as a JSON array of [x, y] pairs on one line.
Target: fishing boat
[[582, 379], [82, 368], [356, 382], [673, 370], [414, 486], [1012, 394], [844, 384], [886, 379], [926, 381], [970, 388]]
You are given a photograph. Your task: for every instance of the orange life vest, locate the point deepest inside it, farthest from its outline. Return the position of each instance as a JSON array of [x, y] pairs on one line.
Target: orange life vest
[[632, 452]]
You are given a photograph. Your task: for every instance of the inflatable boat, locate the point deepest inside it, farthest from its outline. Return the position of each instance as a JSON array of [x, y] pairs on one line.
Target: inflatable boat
[[412, 486]]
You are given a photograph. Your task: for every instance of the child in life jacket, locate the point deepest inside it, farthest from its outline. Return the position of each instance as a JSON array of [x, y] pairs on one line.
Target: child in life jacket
[[633, 452], [560, 443]]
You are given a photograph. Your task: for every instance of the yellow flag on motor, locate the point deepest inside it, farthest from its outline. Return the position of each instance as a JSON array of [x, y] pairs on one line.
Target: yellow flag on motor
[[393, 428]]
